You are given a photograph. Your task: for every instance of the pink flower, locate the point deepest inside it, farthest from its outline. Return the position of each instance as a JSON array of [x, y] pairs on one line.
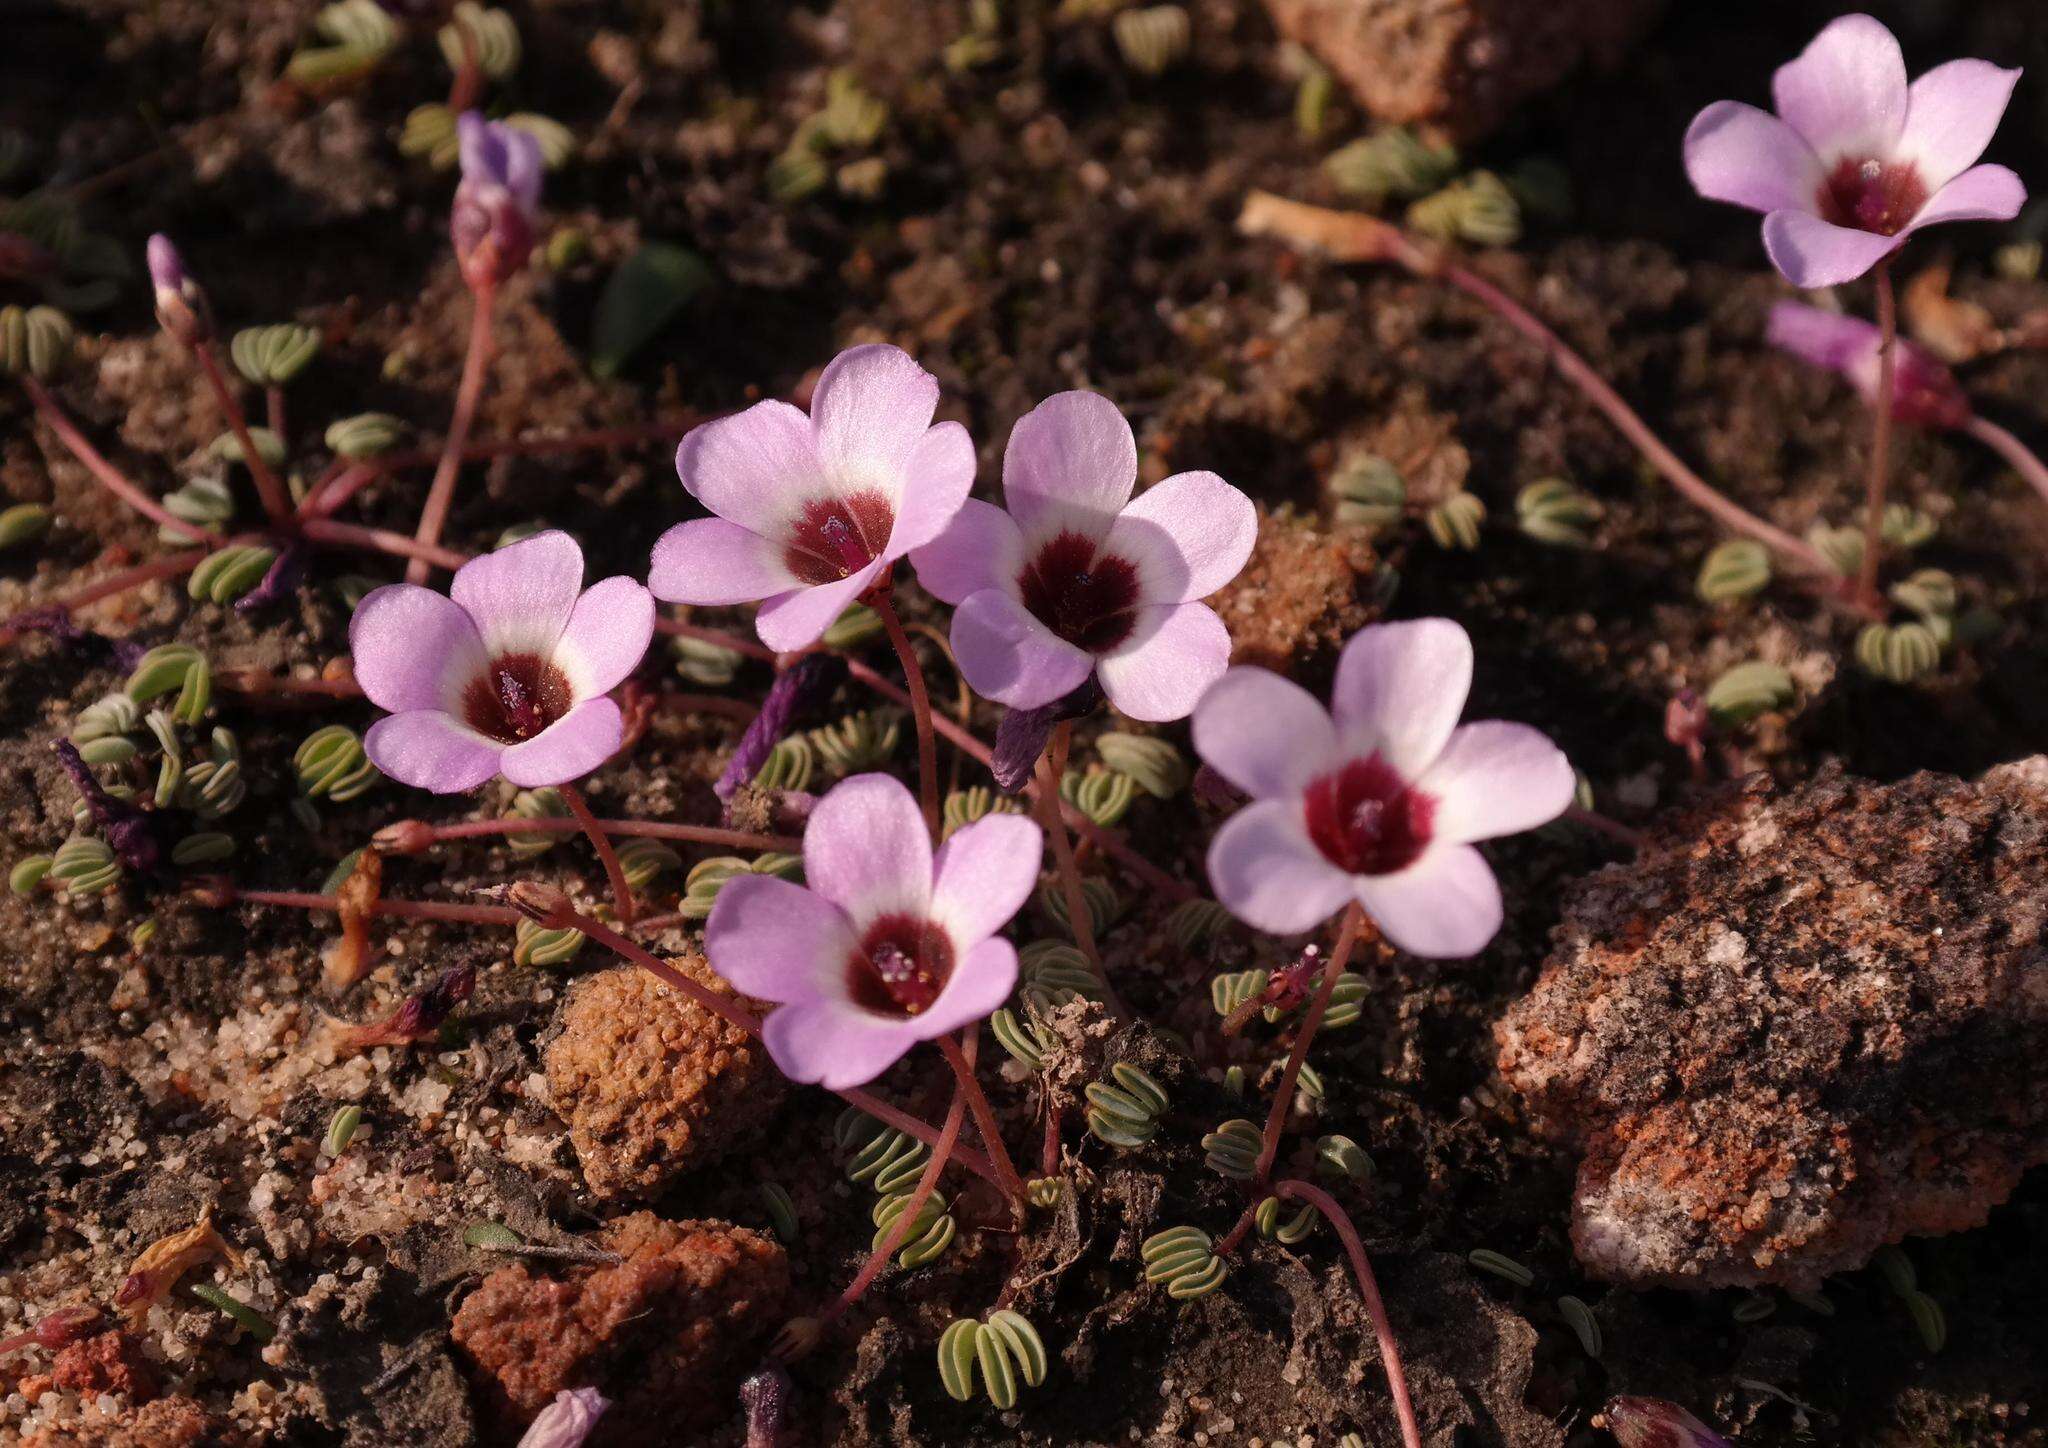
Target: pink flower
[[1856, 160], [181, 308], [567, 1421], [812, 511], [1079, 578], [1924, 391], [888, 945], [506, 675], [1380, 804], [497, 201]]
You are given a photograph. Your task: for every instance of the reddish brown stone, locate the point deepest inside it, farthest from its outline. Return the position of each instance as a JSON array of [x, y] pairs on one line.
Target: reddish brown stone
[[165, 1423], [667, 1334], [651, 1084], [111, 1362], [1458, 67], [1797, 1027]]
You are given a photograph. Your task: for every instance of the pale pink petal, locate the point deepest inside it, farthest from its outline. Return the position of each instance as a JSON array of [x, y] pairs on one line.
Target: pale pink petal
[[983, 875], [1174, 653], [1982, 193], [1400, 689], [1189, 535], [797, 619], [428, 750], [1826, 339], [1445, 906], [777, 941], [1747, 157], [980, 549], [567, 749], [521, 595], [567, 1421], [1846, 92], [1812, 253], [413, 648], [982, 980], [869, 410], [1070, 465], [754, 468], [835, 1046], [710, 561], [936, 481], [1007, 655], [1950, 118], [1495, 778], [866, 850], [607, 636], [1265, 734], [1269, 874]]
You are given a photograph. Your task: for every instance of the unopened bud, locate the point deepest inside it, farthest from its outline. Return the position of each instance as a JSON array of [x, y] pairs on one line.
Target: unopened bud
[[537, 902], [407, 837], [567, 1421], [1654, 1423], [497, 201], [795, 1339], [181, 307]]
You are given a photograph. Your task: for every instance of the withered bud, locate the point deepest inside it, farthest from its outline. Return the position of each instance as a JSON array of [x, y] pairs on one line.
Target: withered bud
[[1654, 1423], [407, 837], [542, 904]]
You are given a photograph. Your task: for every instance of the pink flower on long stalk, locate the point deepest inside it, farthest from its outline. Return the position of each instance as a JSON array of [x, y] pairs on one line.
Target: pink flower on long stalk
[[1380, 803], [1077, 577], [507, 674], [813, 510], [887, 944], [1856, 160], [497, 201], [1924, 391]]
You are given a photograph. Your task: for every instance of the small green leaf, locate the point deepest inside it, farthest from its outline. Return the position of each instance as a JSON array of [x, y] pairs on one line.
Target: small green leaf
[[643, 295]]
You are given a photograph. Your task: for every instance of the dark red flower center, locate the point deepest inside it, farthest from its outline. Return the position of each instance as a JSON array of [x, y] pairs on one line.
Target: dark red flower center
[[1083, 595], [515, 697], [1367, 820], [837, 537], [900, 966], [1868, 195]]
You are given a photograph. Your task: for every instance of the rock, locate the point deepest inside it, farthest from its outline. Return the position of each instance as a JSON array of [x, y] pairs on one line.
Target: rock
[[666, 1334], [1299, 594], [1797, 1027], [654, 1085], [165, 1423], [110, 1362], [1457, 67]]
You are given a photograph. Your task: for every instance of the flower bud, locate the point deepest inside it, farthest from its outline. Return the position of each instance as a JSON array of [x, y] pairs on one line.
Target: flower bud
[[497, 201], [567, 1421], [1654, 1423], [181, 307]]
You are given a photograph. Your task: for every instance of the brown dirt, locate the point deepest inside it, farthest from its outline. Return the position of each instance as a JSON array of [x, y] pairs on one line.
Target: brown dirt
[[1049, 220]]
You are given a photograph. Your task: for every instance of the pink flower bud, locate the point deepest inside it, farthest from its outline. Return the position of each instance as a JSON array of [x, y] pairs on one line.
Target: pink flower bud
[[180, 303], [567, 1421], [497, 202], [1654, 1423]]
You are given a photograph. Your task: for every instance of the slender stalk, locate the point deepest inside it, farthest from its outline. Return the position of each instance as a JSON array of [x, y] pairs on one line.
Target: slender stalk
[[927, 1182], [650, 829], [276, 501], [262, 684], [1368, 1288], [2016, 453], [469, 75], [559, 914], [1351, 236], [738, 710], [334, 476], [401, 909], [920, 709], [984, 1123], [381, 540], [622, 893], [1614, 829], [475, 368], [169, 566], [105, 473], [1880, 430], [273, 409], [1049, 768], [1049, 1149], [1283, 1099]]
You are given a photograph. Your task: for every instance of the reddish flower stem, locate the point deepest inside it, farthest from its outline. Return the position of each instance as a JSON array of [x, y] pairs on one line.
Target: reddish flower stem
[[337, 485], [622, 893], [561, 915], [652, 829], [273, 410], [1614, 829], [1879, 480], [169, 566], [276, 502], [1051, 765], [920, 708], [381, 540], [403, 909], [1351, 236], [985, 1123], [738, 710], [927, 1182], [105, 473], [2016, 453], [475, 368], [260, 684], [1368, 1288], [1049, 1149], [1283, 1099]]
